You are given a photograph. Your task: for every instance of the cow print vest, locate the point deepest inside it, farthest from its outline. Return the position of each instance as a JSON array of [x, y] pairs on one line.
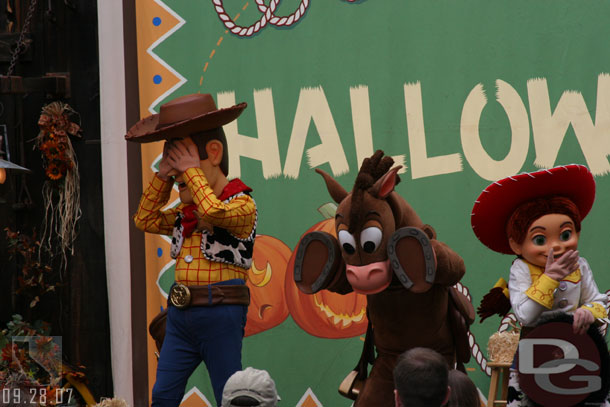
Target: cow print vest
[[220, 246]]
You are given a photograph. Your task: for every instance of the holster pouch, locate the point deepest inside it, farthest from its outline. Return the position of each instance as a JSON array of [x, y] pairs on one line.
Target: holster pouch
[[157, 328], [354, 382], [351, 386]]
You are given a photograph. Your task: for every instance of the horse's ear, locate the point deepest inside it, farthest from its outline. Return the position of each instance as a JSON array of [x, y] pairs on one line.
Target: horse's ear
[[385, 185], [336, 191]]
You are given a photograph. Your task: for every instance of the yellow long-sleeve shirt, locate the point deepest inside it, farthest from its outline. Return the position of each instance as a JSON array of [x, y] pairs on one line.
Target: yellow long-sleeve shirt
[[238, 216]]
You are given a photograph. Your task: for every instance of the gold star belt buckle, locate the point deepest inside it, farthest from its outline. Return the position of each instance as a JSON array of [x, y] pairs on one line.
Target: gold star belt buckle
[[180, 296]]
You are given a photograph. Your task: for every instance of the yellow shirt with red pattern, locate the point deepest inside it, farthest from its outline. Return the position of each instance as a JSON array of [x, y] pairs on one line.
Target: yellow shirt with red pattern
[[238, 217]]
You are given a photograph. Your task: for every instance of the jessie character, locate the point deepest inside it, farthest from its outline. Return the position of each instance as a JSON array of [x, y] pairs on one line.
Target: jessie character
[[537, 216], [212, 231]]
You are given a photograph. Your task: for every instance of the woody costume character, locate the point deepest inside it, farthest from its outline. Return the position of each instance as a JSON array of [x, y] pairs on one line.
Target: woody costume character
[[213, 231], [537, 216]]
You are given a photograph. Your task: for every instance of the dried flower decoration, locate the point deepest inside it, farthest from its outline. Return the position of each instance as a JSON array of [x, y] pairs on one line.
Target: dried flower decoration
[[61, 191], [35, 278], [53, 141]]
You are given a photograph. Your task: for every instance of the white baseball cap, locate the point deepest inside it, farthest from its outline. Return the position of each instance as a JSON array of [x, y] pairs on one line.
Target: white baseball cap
[[253, 383]]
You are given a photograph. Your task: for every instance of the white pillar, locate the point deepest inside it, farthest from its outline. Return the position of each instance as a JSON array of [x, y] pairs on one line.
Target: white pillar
[[114, 184]]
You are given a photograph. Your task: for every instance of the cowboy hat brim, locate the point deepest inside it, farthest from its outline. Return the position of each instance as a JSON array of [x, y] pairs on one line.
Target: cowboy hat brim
[[497, 202], [146, 131]]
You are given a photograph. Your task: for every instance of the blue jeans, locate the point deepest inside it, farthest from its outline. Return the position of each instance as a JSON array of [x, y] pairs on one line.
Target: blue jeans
[[210, 334]]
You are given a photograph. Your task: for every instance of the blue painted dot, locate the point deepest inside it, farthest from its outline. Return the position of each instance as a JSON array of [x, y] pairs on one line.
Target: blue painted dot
[[159, 252], [157, 79], [156, 21]]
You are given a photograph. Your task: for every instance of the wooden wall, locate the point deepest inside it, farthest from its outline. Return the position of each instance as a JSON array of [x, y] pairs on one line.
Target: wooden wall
[[64, 37]]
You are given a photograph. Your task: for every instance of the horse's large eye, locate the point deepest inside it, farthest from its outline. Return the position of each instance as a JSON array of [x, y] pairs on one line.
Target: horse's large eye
[[347, 241], [370, 239]]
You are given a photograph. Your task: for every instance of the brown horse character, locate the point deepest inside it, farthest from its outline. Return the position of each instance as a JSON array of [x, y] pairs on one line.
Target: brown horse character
[[385, 251]]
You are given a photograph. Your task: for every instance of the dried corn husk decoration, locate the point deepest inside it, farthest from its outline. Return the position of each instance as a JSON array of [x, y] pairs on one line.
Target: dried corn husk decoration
[[502, 346], [61, 190]]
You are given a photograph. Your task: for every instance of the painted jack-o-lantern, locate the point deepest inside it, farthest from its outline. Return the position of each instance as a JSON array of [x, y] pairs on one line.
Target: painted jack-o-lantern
[[325, 314], [266, 282]]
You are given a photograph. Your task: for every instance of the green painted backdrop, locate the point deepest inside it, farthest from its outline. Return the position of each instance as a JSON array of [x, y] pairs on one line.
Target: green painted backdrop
[[346, 54]]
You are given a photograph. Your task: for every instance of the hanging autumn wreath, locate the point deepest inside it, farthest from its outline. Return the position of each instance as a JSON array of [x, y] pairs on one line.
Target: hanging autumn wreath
[[61, 190]]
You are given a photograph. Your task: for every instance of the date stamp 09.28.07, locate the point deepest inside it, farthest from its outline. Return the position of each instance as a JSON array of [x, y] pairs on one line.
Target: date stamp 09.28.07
[[31, 373], [36, 396]]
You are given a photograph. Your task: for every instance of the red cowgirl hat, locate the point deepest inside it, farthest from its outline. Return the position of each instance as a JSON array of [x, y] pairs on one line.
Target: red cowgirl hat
[[497, 202], [182, 117]]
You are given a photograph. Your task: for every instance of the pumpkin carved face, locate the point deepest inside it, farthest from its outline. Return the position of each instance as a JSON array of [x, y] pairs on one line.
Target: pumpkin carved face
[[325, 314], [266, 282]]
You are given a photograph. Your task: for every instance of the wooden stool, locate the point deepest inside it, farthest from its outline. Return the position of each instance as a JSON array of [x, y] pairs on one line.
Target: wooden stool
[[498, 369]]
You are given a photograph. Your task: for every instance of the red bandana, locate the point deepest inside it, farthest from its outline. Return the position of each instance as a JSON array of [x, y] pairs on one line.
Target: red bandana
[[235, 186], [190, 220]]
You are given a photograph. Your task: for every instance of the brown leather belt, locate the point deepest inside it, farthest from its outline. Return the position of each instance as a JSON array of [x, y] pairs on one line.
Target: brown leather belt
[[182, 296]]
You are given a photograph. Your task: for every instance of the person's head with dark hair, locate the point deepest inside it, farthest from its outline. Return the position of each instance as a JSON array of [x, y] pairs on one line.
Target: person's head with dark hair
[[464, 393], [420, 379], [201, 139]]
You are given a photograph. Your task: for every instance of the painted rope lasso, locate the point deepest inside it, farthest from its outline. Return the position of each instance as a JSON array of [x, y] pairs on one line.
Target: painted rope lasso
[[267, 17]]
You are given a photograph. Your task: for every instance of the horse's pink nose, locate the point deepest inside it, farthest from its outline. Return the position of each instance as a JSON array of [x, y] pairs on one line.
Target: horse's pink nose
[[369, 279], [359, 274]]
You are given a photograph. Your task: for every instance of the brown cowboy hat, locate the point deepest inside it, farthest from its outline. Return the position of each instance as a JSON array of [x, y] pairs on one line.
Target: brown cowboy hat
[[182, 117]]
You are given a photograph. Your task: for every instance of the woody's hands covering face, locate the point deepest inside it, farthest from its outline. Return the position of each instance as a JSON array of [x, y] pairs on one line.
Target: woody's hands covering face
[[560, 268], [164, 166], [183, 154]]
